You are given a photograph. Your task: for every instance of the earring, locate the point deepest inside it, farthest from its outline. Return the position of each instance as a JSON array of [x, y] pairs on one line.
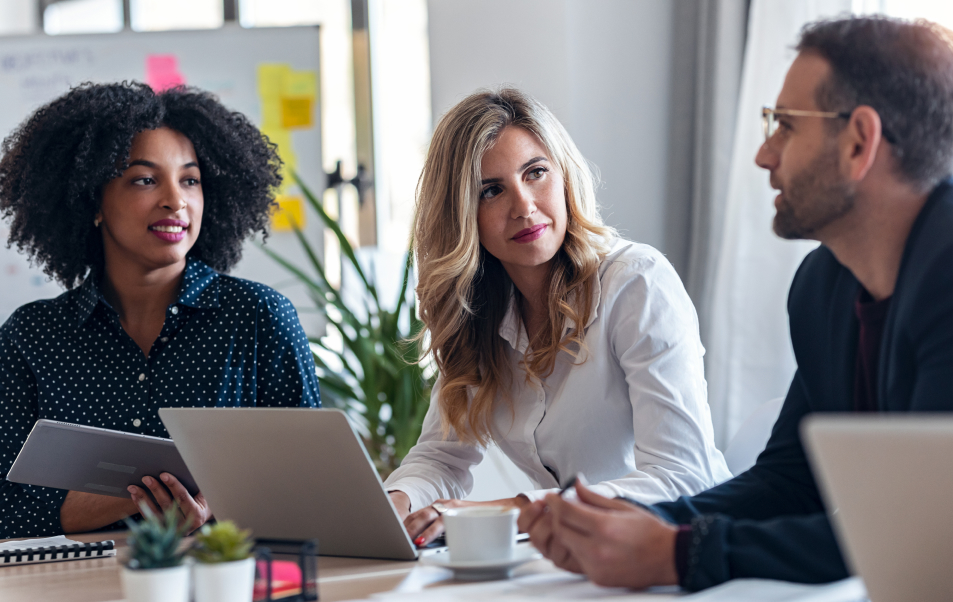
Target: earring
[[97, 221]]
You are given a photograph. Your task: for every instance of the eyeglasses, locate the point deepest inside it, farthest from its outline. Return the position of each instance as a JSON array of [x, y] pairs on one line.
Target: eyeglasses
[[769, 120]]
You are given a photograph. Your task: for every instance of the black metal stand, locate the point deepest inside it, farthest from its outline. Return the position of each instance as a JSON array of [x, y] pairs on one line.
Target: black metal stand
[[307, 552]]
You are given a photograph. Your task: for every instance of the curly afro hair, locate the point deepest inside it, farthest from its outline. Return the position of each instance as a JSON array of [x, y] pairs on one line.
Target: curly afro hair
[[55, 164]]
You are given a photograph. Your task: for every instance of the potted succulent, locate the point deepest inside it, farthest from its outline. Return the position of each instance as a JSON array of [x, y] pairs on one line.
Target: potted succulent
[[154, 572], [225, 569]]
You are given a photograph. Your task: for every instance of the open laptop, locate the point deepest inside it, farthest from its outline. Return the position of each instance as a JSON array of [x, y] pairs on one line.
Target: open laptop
[[887, 480], [290, 474]]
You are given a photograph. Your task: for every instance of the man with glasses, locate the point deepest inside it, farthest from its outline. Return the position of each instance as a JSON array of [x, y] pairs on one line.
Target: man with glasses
[[859, 148]]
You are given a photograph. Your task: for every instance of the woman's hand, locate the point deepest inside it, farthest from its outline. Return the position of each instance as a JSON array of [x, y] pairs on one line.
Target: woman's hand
[[401, 502], [195, 511], [426, 524], [82, 512]]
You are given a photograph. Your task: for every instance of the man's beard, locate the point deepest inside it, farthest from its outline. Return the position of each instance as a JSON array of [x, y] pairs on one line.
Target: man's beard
[[814, 198]]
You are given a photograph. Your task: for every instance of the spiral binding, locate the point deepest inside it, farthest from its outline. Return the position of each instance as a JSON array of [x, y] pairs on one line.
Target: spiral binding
[[79, 550]]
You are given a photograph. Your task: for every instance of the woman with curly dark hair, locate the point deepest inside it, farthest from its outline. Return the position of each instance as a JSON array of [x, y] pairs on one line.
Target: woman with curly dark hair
[[135, 201]]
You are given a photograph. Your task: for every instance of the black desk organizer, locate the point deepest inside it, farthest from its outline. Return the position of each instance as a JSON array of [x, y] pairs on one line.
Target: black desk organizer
[[307, 552]]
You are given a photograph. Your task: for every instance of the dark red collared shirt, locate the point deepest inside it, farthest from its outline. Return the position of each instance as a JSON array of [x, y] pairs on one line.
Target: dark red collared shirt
[[872, 315]]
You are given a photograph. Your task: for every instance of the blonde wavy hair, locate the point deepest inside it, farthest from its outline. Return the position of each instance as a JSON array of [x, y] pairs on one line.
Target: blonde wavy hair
[[464, 291]]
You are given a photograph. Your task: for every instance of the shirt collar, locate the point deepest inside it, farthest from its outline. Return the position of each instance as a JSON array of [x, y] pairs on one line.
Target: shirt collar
[[515, 334], [200, 288]]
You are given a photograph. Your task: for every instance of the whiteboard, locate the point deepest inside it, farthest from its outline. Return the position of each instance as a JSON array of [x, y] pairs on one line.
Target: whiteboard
[[36, 69]]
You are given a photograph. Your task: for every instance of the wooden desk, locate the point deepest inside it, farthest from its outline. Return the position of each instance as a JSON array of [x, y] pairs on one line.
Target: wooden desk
[[97, 580]]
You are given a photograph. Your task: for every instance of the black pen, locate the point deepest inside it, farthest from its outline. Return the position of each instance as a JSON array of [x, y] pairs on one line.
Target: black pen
[[569, 484]]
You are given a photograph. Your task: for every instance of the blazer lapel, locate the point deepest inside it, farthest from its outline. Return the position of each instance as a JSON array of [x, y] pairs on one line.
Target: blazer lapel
[[929, 230]]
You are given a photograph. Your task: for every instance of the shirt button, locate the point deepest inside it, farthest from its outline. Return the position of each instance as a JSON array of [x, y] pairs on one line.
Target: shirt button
[[136, 422], [174, 310], [164, 339], [142, 377]]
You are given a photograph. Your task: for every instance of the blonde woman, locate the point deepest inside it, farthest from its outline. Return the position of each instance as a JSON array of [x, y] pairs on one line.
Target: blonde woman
[[513, 257]]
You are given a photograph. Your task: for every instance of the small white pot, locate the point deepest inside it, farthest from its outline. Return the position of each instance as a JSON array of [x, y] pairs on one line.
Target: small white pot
[[156, 585], [224, 581]]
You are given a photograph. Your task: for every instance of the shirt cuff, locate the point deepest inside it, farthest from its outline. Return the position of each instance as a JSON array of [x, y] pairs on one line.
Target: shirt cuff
[[600, 488], [538, 494], [421, 492], [683, 541], [706, 563]]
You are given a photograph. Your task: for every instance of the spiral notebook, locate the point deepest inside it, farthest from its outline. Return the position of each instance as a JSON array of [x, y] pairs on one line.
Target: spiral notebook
[[52, 549]]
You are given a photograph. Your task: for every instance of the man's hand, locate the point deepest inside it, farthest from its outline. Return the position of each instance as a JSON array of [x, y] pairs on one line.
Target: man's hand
[[537, 520], [612, 542], [195, 511]]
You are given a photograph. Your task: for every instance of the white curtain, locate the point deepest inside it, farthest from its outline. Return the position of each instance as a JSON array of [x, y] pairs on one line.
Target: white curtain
[[749, 352]]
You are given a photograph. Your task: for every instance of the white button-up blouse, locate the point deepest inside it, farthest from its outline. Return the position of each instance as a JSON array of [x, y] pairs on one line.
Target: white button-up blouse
[[631, 413]]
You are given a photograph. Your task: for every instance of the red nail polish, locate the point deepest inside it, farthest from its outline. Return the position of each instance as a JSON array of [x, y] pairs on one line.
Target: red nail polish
[[419, 540]]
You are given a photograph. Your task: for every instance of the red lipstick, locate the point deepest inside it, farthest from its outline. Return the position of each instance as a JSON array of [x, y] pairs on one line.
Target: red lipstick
[[530, 234], [169, 230]]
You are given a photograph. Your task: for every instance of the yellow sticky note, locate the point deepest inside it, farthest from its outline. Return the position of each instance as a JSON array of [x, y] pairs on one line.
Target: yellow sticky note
[[281, 137], [289, 159], [300, 83], [296, 111], [288, 214], [271, 79], [271, 116]]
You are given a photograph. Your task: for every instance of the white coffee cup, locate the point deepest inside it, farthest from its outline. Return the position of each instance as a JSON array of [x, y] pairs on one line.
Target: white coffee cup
[[481, 533]]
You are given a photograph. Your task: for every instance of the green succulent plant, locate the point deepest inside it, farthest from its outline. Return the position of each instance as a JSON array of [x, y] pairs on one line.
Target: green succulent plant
[[154, 541], [381, 384], [221, 542]]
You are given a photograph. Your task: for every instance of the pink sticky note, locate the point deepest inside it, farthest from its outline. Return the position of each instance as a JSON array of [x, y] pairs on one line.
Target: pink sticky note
[[162, 72]]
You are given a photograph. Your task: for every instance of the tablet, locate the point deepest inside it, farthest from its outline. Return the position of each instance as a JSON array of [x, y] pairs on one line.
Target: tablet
[[94, 460]]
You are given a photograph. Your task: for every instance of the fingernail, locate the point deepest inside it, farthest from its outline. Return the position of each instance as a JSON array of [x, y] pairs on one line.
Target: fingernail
[[165, 478], [131, 490], [147, 480], [419, 541]]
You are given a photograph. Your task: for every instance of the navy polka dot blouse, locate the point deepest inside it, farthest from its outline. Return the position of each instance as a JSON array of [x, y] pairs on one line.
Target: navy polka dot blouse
[[225, 342]]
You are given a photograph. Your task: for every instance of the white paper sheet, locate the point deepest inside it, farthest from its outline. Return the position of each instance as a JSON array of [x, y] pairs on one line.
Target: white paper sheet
[[59, 540], [763, 590], [557, 585], [565, 586]]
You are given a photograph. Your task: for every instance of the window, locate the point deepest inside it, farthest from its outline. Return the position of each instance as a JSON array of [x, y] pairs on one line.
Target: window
[[159, 15], [83, 16], [402, 112], [17, 17], [277, 13]]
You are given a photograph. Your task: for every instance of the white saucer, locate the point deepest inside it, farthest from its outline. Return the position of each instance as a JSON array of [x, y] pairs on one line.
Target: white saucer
[[481, 570]]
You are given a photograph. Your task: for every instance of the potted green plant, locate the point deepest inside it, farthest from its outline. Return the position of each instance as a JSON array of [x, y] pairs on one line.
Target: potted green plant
[[225, 568], [155, 572], [375, 377]]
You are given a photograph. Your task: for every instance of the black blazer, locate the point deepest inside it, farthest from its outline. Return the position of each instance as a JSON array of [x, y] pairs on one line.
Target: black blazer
[[770, 521]]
